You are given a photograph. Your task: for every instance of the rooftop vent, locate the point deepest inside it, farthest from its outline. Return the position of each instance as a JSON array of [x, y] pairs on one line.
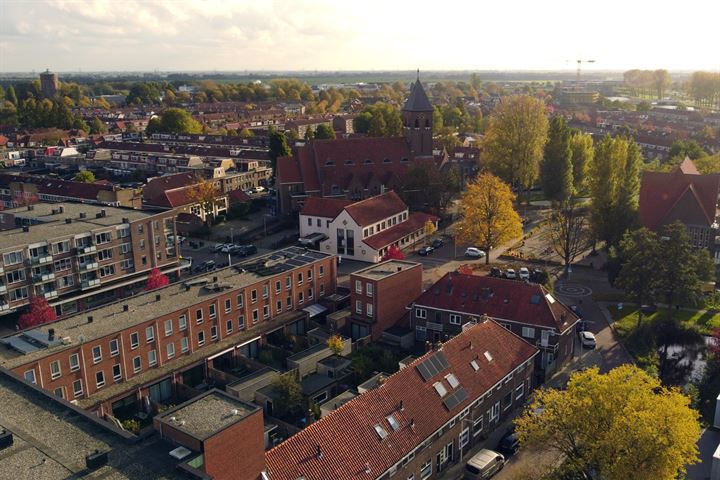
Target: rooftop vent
[[399, 269], [61, 209], [31, 208], [402, 407], [234, 411], [125, 308], [83, 215], [488, 356], [26, 228], [68, 220], [51, 334], [98, 215], [474, 365], [96, 460], [506, 300], [6, 439], [103, 212], [90, 319], [126, 220], [382, 433], [157, 297]]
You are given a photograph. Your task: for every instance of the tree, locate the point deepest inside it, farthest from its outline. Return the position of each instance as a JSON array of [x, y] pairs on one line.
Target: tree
[[204, 193], [638, 275], [8, 114], [40, 313], [393, 253], [309, 133], [84, 176], [278, 147], [378, 127], [336, 344], [690, 148], [568, 229], [631, 426], [488, 215], [583, 152], [288, 396], [515, 138], [156, 279], [324, 131], [429, 228], [661, 80], [10, 95], [246, 133], [97, 126], [556, 169]]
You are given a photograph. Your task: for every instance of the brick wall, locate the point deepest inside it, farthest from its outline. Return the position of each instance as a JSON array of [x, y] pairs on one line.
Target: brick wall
[[237, 452]]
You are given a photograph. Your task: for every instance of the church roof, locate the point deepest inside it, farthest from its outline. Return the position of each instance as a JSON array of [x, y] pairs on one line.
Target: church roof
[[418, 100]]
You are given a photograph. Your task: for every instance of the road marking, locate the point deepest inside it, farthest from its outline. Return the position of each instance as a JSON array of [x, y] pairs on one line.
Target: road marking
[[573, 290]]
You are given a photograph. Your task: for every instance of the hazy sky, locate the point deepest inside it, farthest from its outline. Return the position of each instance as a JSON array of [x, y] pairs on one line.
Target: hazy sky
[[68, 35]]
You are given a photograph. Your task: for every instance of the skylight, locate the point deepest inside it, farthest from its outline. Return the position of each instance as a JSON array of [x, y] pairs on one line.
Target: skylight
[[452, 380], [393, 422], [475, 365], [440, 389], [382, 433], [488, 356], [549, 298]]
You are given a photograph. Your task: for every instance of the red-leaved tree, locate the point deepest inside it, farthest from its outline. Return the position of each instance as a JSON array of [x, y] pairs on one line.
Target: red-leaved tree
[[156, 279], [465, 269], [40, 313], [393, 253]]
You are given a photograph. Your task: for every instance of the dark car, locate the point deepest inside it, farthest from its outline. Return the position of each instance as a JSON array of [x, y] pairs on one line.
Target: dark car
[[509, 444], [539, 276], [496, 272], [425, 251], [437, 243], [648, 309], [245, 250]]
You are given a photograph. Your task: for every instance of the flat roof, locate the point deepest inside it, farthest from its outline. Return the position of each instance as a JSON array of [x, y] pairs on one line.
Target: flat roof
[[204, 416], [112, 318], [385, 269], [55, 226]]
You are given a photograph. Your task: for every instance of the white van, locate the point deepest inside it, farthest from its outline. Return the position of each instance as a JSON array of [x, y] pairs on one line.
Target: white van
[[484, 464]]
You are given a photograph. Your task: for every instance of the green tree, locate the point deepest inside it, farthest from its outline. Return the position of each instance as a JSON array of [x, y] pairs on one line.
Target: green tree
[[515, 138], [174, 120], [309, 133], [361, 123], [378, 128], [640, 267], [661, 81], [324, 131], [278, 147], [10, 95], [97, 126], [288, 397], [583, 152], [84, 176], [631, 426], [8, 114], [568, 230], [556, 174], [246, 133], [686, 148]]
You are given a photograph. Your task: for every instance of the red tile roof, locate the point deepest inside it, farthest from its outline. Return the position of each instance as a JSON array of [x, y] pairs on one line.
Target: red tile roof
[[660, 192], [58, 187], [377, 208], [237, 196], [347, 437], [157, 187], [512, 300], [288, 170], [416, 221], [324, 207]]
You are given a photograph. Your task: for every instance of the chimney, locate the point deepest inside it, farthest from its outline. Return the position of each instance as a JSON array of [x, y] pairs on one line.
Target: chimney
[[399, 269], [83, 215], [68, 220], [125, 308], [90, 318], [51, 334], [61, 209], [318, 451], [412, 423], [214, 278], [31, 208], [126, 220], [402, 407], [157, 297], [103, 212], [26, 228]]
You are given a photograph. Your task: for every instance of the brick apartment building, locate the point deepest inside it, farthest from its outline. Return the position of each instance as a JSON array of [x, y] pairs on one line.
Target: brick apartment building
[[146, 347], [380, 294], [421, 419], [78, 256], [526, 309]]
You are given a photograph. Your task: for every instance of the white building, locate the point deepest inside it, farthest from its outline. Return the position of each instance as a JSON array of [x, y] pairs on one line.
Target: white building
[[361, 230]]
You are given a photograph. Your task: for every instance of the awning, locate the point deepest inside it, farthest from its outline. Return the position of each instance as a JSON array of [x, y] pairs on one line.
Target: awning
[[312, 238], [315, 310]]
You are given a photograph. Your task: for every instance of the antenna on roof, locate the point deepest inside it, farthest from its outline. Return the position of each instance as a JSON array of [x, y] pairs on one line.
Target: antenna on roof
[[418, 74]]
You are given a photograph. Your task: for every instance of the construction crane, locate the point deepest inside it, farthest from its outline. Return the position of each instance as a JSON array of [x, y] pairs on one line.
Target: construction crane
[[579, 68]]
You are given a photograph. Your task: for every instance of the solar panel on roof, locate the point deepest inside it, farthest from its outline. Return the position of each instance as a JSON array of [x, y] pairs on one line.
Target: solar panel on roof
[[422, 368], [435, 362], [443, 361], [461, 394], [20, 345], [450, 402]]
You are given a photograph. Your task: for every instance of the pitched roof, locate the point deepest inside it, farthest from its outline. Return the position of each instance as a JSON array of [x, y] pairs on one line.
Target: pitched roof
[[59, 187], [512, 300], [352, 449], [418, 100], [661, 191], [415, 222], [688, 167], [377, 208], [324, 207]]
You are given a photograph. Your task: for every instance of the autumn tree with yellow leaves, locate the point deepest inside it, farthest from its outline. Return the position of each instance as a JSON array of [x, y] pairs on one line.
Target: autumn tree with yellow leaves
[[489, 218], [204, 193], [623, 425]]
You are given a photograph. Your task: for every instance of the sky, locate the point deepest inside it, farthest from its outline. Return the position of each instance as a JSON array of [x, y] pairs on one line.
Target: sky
[[238, 35]]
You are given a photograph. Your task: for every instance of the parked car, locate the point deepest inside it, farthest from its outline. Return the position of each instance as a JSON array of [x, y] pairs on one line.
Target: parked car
[[425, 251], [228, 248], [483, 464], [587, 339], [474, 252], [438, 242], [510, 274], [206, 266], [245, 250], [259, 189], [648, 309], [509, 444], [538, 276], [218, 248], [496, 272], [524, 274]]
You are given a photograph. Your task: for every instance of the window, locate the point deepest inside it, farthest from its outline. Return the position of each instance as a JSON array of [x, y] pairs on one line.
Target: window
[[213, 333], [184, 344], [311, 293], [528, 332], [301, 298], [278, 306], [309, 274], [77, 388], [253, 296], [382, 433], [420, 313], [105, 237], [201, 339], [369, 289], [123, 232], [13, 258], [152, 358], [477, 426], [358, 286], [149, 334], [507, 401], [64, 282], [241, 322], [107, 270], [213, 311], [62, 265], [278, 286], [19, 294], [265, 291], [300, 278], [455, 319], [240, 300], [322, 270], [137, 364], [30, 376], [100, 379], [55, 371], [288, 283], [309, 221], [74, 362], [199, 316], [168, 327], [266, 311], [254, 316], [105, 254], [134, 340], [97, 353], [464, 438], [125, 248], [519, 391], [141, 228], [15, 276], [182, 322], [369, 309], [426, 469], [452, 380], [322, 289], [116, 372]]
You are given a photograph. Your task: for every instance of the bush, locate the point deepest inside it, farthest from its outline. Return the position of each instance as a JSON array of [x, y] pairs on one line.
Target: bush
[[131, 425], [239, 211]]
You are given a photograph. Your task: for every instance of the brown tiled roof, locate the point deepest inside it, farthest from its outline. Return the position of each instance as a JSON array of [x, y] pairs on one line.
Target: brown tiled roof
[[288, 170], [59, 187], [499, 298], [415, 222], [660, 192], [324, 207], [377, 208], [350, 446]]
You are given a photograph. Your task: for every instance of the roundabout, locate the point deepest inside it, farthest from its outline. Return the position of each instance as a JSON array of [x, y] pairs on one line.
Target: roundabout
[[573, 290]]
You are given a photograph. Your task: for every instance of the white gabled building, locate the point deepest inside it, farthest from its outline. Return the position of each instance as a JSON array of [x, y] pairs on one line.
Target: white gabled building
[[361, 230]]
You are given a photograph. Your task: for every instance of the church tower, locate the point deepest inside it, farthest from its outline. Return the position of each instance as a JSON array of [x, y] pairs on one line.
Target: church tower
[[417, 120]]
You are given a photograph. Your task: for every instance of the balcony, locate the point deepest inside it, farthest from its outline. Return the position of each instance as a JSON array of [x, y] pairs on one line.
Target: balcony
[[2, 270], [44, 277], [3, 289], [41, 260], [90, 283], [89, 266], [438, 327], [88, 249], [50, 294], [4, 307]]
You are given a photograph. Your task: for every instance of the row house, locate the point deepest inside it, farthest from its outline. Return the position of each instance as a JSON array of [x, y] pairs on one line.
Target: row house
[[457, 301], [78, 255], [363, 230], [144, 346]]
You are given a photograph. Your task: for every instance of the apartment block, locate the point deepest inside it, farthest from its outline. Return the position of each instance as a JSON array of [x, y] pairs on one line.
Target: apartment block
[[77, 255]]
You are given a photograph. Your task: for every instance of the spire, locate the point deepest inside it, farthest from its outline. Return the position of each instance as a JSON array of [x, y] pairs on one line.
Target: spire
[[418, 75], [417, 100]]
